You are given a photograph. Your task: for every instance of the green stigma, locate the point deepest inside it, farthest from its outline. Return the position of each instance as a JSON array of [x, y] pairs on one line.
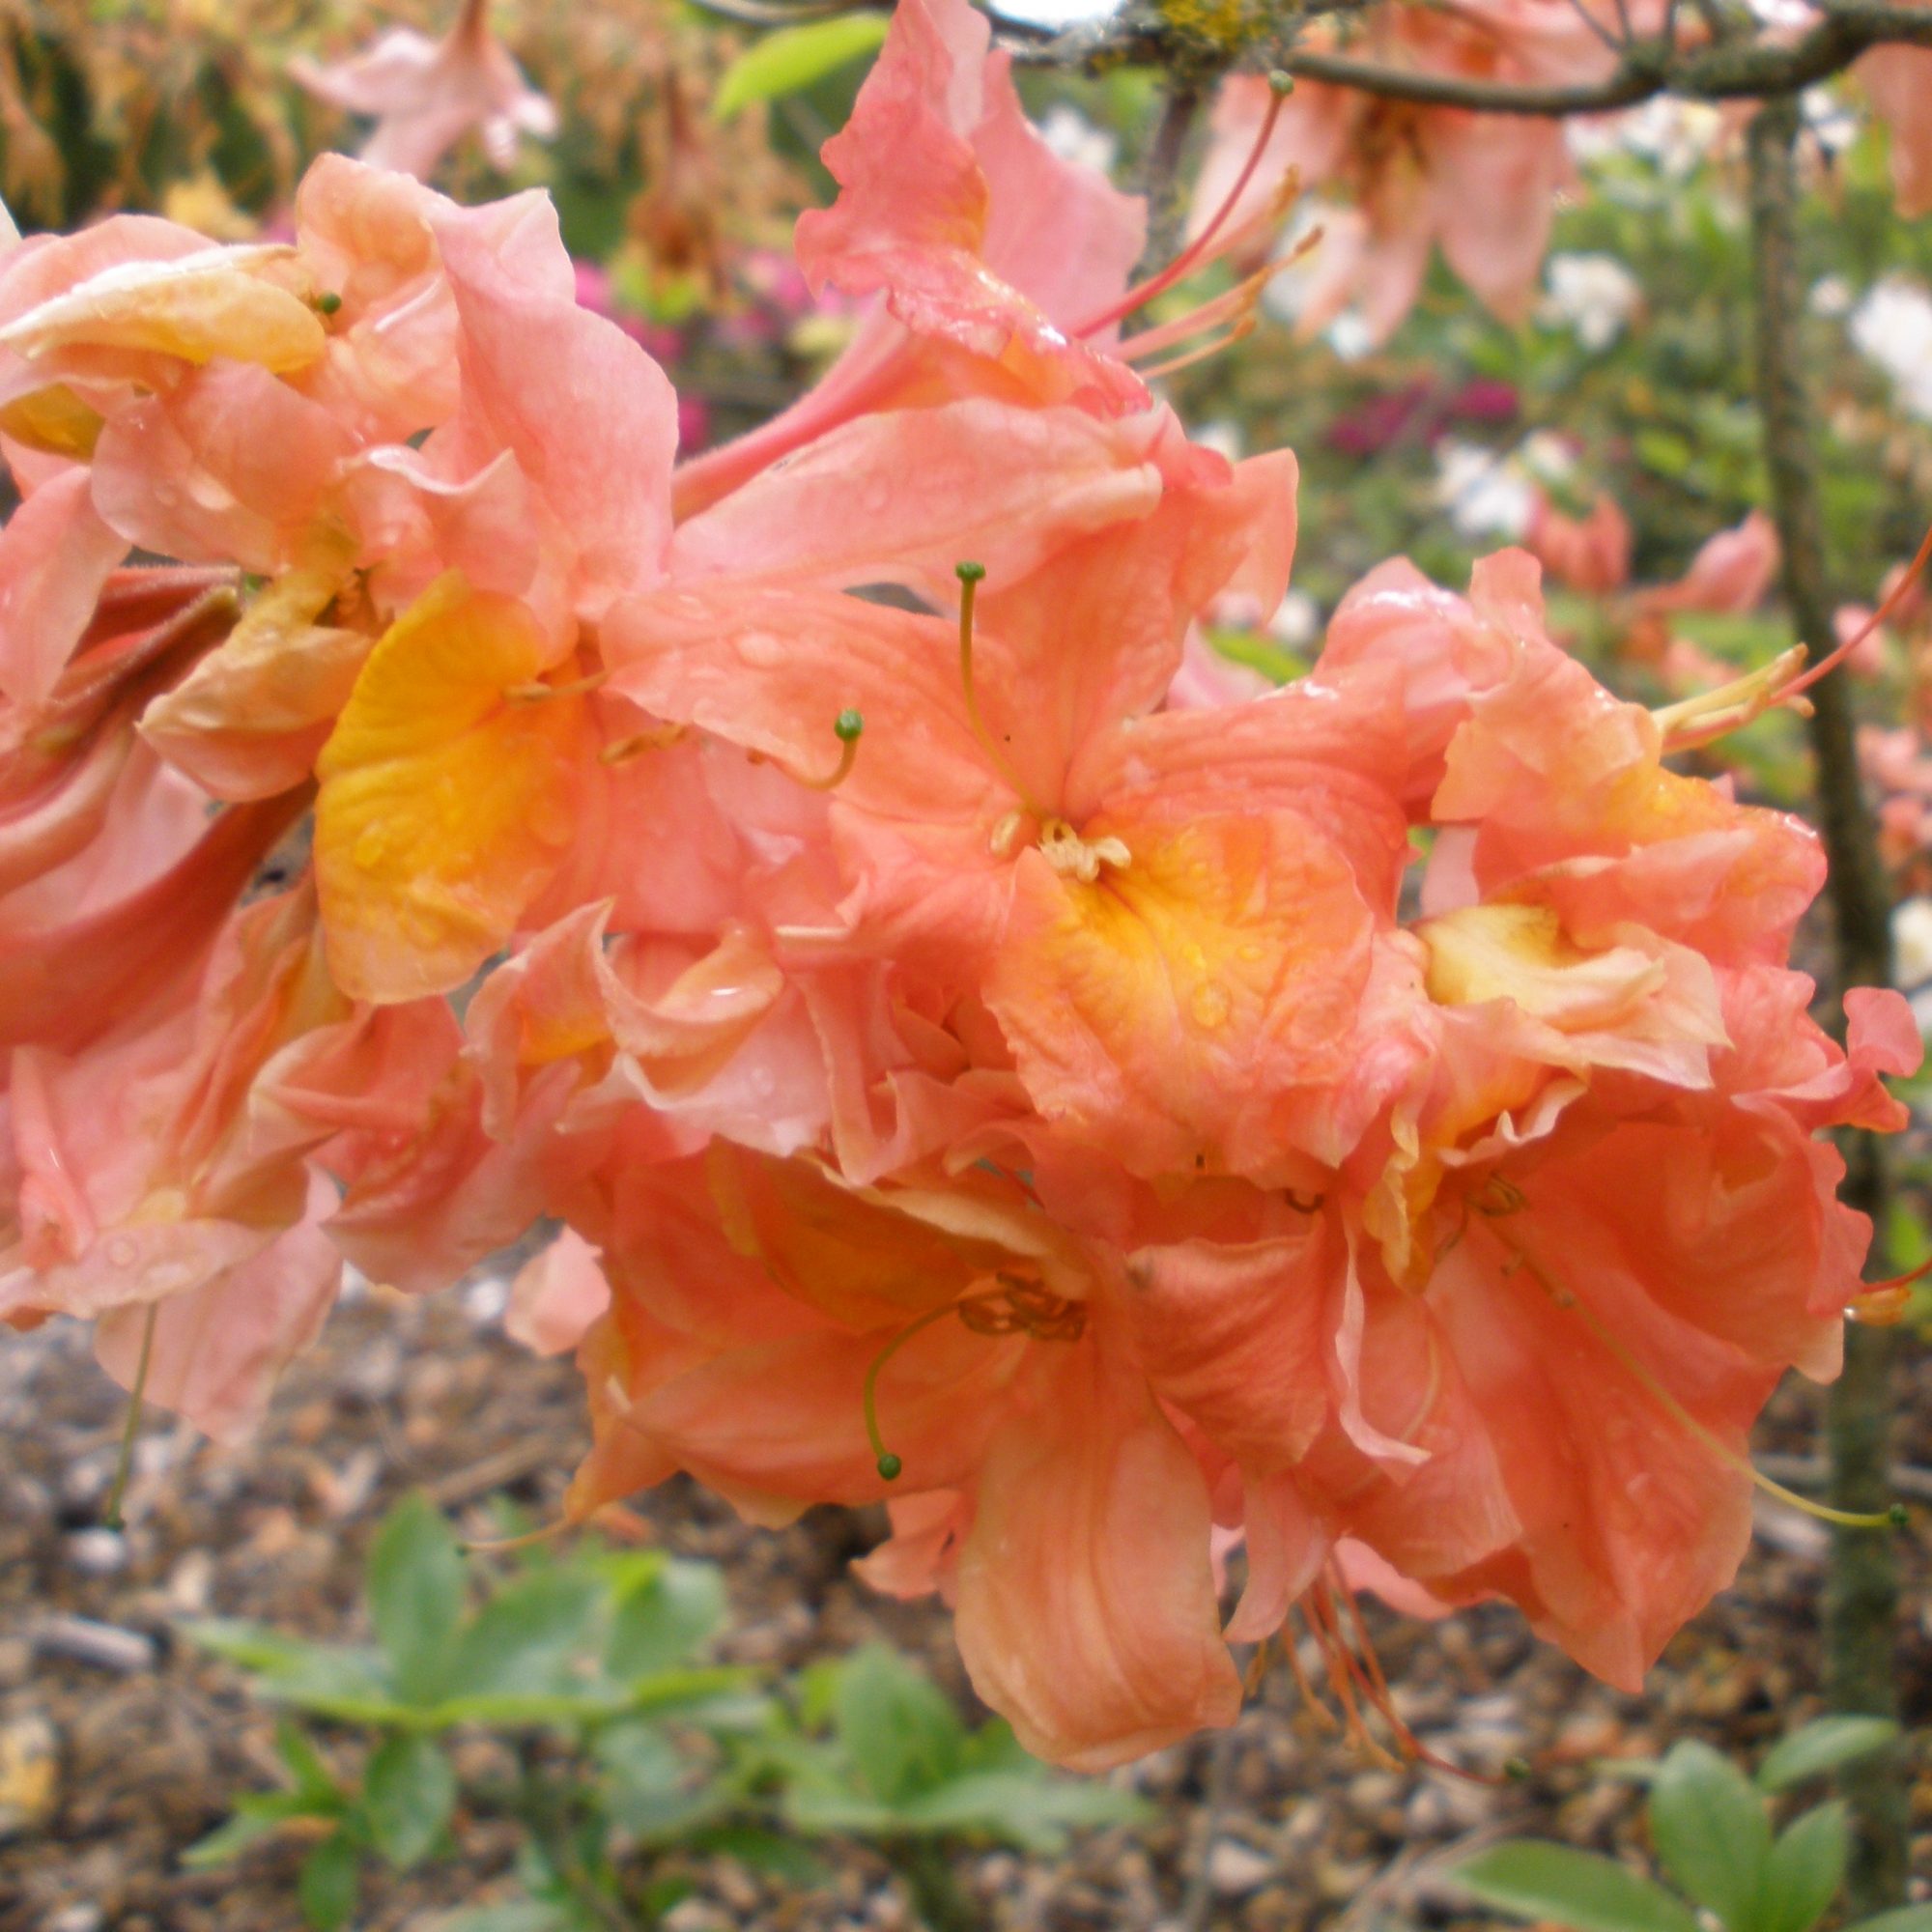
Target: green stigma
[[889, 1467], [847, 726], [328, 302]]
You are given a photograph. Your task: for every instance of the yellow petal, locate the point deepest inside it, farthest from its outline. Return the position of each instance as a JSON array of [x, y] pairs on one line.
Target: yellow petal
[[444, 808], [217, 302], [249, 718]]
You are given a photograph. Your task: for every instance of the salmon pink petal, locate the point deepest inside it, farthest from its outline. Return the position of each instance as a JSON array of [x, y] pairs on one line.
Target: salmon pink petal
[[973, 479], [557, 1296], [1087, 1612], [218, 1351], [426, 95], [1288, 1542], [592, 419], [56, 555], [1237, 1338], [232, 467], [771, 671], [921, 1554], [1632, 1520], [1896, 80], [915, 215]]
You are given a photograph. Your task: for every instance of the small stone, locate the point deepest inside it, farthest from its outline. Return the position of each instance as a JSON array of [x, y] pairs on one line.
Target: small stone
[[29, 1773], [99, 1552], [105, 1646], [81, 1918], [696, 1915], [1236, 1869]]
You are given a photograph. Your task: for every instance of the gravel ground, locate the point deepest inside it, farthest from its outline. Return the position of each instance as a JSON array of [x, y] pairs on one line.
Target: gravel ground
[[118, 1746]]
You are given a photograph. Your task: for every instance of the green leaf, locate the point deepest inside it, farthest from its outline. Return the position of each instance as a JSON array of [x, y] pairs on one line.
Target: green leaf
[[1712, 1832], [1806, 1869], [764, 1852], [1903, 1918], [256, 1817], [795, 57], [521, 1916], [900, 1729], [416, 1596], [1033, 1810], [408, 1795], [317, 1676], [313, 1779], [1822, 1747], [1533, 1880], [326, 1883], [522, 1642], [649, 1790], [666, 1611]]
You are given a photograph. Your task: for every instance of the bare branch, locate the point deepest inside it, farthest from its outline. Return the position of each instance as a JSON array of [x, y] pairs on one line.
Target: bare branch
[[1732, 70]]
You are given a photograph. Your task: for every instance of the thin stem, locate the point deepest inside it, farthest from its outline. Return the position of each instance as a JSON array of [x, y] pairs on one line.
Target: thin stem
[[124, 1462], [1862, 1586]]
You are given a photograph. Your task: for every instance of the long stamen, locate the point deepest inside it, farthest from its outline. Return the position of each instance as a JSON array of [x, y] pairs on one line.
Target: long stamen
[[539, 693], [890, 1466], [546, 1533], [848, 726], [1884, 1304], [1893, 599], [1697, 720], [661, 738], [1894, 1518], [124, 1462], [1174, 364], [971, 576], [1197, 251]]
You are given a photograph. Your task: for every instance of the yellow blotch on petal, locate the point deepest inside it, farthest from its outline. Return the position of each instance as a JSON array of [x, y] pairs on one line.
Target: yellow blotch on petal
[[1153, 1003], [1522, 952], [220, 301], [444, 809], [53, 420]]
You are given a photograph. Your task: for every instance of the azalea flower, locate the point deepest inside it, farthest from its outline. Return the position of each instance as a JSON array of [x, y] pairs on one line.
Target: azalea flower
[[426, 95], [1411, 178]]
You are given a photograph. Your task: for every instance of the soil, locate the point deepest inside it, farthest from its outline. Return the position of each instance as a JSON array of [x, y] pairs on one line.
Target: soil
[[118, 1750]]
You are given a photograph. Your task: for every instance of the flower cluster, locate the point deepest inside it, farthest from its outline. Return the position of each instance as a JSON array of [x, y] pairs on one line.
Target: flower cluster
[[974, 1069]]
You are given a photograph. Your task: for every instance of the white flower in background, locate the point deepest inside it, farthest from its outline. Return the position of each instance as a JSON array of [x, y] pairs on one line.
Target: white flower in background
[[1674, 135], [1830, 122], [1224, 437], [1593, 295], [1893, 327], [1911, 941], [1831, 296], [1056, 12], [1548, 456], [1076, 140], [1485, 495], [1297, 623]]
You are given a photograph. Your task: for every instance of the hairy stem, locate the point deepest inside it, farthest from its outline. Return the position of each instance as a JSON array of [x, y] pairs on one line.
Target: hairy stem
[[1862, 1586]]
